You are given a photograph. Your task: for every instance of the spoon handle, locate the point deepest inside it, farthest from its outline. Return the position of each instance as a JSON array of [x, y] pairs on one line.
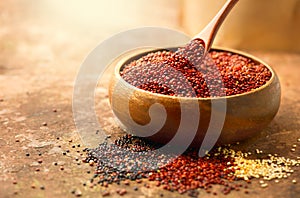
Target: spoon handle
[[209, 32]]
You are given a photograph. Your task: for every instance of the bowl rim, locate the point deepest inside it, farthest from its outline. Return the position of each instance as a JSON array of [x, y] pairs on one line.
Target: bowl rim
[[121, 62]]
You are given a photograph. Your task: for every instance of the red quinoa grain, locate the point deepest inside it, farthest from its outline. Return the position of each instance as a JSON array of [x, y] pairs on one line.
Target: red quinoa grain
[[186, 73]]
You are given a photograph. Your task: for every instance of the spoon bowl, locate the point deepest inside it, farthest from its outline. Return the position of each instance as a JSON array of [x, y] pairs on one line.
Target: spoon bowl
[[246, 114]]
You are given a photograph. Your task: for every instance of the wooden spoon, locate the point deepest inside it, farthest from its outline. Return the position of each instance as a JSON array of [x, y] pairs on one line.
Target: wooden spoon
[[209, 32]]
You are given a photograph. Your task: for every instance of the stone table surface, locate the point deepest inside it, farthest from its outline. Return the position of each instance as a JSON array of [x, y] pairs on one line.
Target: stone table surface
[[38, 66]]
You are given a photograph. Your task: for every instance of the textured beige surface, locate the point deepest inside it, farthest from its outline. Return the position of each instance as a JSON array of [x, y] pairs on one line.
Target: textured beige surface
[[39, 60]]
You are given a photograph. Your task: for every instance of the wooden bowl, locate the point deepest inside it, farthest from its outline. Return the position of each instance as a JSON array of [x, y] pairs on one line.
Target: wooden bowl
[[245, 114]]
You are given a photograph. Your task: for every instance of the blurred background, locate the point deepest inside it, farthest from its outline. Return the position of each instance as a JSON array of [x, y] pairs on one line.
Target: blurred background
[[253, 24]]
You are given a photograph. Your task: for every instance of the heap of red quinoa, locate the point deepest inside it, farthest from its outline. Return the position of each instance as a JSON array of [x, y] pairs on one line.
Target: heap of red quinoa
[[186, 73]]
